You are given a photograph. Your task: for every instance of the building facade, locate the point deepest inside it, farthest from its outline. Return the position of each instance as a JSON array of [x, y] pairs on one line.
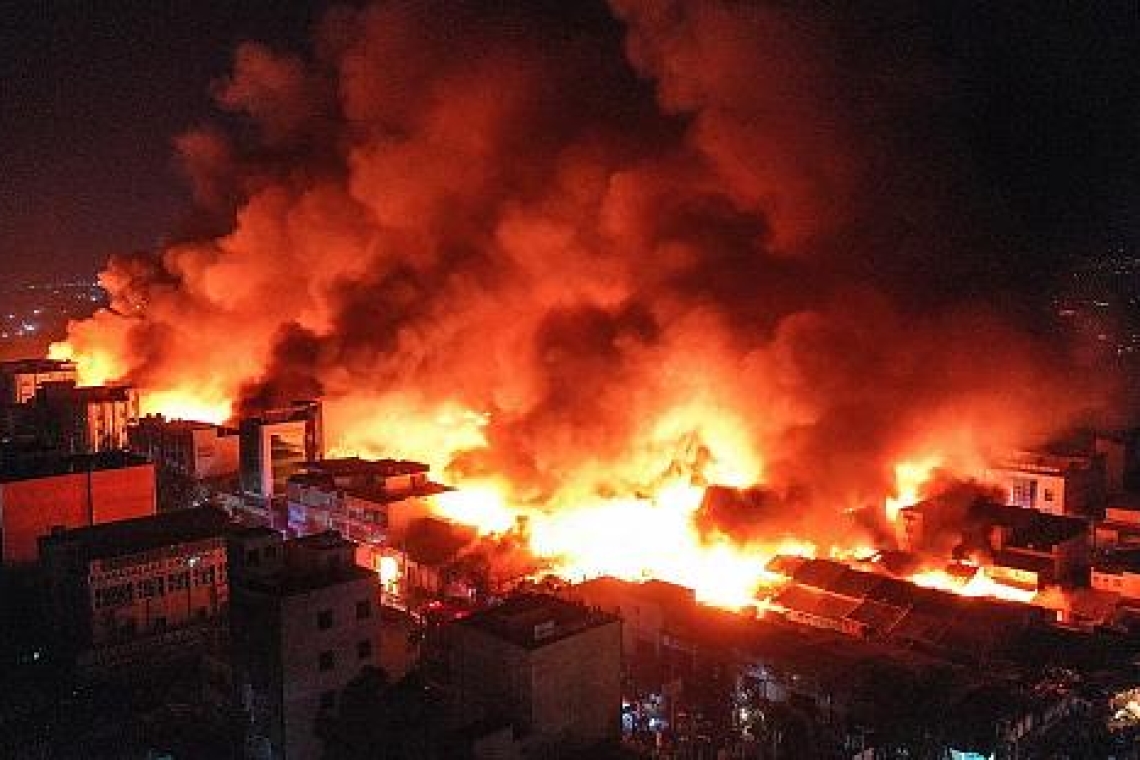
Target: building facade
[[1051, 483], [273, 445], [86, 420], [549, 667], [147, 589], [72, 491], [19, 380], [197, 450], [306, 620]]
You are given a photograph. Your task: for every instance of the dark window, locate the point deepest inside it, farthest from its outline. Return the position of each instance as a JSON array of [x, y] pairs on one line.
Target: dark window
[[252, 558], [159, 623], [270, 552], [324, 619], [328, 700], [363, 610], [202, 613], [325, 662], [363, 649]]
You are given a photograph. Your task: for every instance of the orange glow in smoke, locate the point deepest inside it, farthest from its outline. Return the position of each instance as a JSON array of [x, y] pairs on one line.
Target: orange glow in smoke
[[479, 504], [177, 405], [95, 367]]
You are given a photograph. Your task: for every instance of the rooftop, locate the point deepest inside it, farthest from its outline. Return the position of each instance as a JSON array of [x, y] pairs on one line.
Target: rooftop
[[385, 468], [140, 534], [1121, 561], [35, 366], [50, 464], [1030, 528], [158, 421], [69, 392], [532, 621]]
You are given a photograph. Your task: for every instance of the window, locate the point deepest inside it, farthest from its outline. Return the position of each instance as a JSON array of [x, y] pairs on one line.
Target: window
[[270, 552], [151, 587], [204, 576], [324, 619], [178, 581], [1048, 494], [158, 624], [363, 610], [325, 661], [252, 558], [328, 700], [363, 649]]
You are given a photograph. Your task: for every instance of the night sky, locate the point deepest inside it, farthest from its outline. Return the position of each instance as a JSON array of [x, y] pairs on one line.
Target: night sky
[[93, 95]]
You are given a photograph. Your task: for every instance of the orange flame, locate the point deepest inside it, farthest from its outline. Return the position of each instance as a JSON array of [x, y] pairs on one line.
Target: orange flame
[[979, 584], [910, 477]]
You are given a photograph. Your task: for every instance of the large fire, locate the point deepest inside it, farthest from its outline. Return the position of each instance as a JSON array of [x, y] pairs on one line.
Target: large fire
[[582, 282]]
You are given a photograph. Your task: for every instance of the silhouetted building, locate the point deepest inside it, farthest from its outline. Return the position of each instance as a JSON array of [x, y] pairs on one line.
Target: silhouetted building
[[146, 590], [20, 379], [305, 620], [71, 491], [549, 667], [85, 420], [274, 444], [198, 450]]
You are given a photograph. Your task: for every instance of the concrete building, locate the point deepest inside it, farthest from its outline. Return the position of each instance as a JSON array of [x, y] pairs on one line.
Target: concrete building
[[1118, 573], [550, 667], [305, 621], [144, 590], [19, 380], [85, 420], [361, 499], [1021, 547], [70, 491], [196, 450], [275, 444], [1070, 484], [1120, 527]]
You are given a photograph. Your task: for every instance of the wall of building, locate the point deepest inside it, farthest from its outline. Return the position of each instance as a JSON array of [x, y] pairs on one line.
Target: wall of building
[[215, 455], [303, 641], [30, 508], [1125, 583], [149, 593], [567, 691]]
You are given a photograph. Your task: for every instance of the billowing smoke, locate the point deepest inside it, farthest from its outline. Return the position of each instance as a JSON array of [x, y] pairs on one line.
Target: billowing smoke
[[581, 248]]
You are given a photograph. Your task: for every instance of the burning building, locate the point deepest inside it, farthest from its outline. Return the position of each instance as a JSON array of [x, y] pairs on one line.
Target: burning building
[[197, 450], [21, 379], [85, 420], [272, 446], [583, 281]]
